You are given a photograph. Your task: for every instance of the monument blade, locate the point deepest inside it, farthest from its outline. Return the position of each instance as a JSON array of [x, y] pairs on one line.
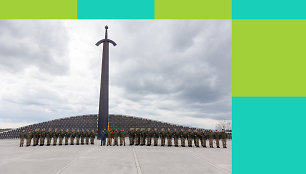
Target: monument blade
[[103, 102]]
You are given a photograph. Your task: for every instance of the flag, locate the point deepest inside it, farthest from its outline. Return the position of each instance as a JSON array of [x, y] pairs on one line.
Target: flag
[[113, 130]]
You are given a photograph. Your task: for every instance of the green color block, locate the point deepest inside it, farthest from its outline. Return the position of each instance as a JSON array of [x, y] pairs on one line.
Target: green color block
[[193, 9], [38, 9], [269, 58]]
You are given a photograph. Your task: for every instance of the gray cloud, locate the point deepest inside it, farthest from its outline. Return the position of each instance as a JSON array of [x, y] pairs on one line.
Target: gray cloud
[[42, 44], [163, 69]]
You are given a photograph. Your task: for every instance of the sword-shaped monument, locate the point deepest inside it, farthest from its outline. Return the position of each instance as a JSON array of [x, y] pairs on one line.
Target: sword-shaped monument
[[103, 103]]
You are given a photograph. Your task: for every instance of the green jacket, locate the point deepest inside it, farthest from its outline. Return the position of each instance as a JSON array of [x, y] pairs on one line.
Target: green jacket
[[92, 135], [131, 134], [189, 135], [61, 134], [223, 135], [83, 134], [203, 136], [176, 134], [35, 134], [155, 134], [67, 134], [116, 134], [42, 134], [22, 135], [77, 134], [210, 135], [137, 134], [182, 134], [162, 134], [55, 134], [149, 134], [109, 134], [87, 134], [122, 134], [217, 135], [169, 134], [48, 134], [72, 134], [195, 135], [29, 135]]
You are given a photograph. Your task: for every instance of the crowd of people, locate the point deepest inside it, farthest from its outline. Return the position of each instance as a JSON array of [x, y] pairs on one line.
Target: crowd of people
[[40, 135], [138, 136], [145, 136]]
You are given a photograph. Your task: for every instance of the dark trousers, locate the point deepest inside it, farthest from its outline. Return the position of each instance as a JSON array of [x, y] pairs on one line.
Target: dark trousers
[[102, 141]]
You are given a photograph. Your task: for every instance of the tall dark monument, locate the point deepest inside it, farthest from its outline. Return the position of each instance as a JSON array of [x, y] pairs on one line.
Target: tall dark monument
[[103, 103]]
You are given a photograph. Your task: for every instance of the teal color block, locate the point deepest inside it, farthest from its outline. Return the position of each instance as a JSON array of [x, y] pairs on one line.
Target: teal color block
[[268, 9], [115, 9], [269, 135]]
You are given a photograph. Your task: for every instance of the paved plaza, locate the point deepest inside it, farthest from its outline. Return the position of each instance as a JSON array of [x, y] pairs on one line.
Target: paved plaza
[[93, 159]]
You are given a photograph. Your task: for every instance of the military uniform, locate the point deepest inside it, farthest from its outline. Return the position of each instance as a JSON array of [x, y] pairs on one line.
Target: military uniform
[[203, 138], [22, 136], [149, 137], [131, 136], [137, 137], [223, 138], [176, 137], [183, 137], [92, 136], [196, 138], [217, 138], [61, 135], [35, 135], [210, 136], [29, 137], [66, 135], [87, 136], [49, 136], [109, 138], [155, 137], [55, 135], [78, 135], [142, 137], [162, 135], [122, 137], [169, 137], [189, 138], [72, 136], [116, 135], [82, 137], [42, 135]]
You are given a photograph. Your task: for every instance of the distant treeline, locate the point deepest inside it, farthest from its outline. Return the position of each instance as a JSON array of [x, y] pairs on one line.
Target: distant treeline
[[1, 130]]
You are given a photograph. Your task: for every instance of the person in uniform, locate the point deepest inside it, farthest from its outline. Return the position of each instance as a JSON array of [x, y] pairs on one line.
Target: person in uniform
[[223, 138], [196, 138], [78, 135], [210, 137], [55, 135], [162, 135], [131, 136], [49, 137], [203, 138], [142, 136], [169, 137], [109, 138], [122, 137], [183, 137], [92, 136], [103, 137], [29, 137], [22, 136], [42, 136], [217, 137], [189, 137], [87, 136], [67, 135], [61, 135], [72, 136], [137, 137], [35, 134], [82, 136], [155, 136], [149, 136], [116, 135], [176, 137]]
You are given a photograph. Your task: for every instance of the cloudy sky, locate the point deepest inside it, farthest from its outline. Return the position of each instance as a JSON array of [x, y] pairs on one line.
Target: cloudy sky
[[177, 71]]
